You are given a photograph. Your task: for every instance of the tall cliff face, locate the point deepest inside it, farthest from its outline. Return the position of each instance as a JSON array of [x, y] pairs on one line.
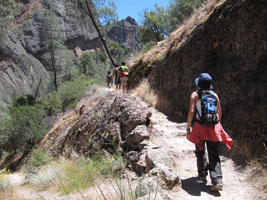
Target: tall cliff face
[[22, 63], [125, 32], [231, 45], [20, 72], [77, 29]]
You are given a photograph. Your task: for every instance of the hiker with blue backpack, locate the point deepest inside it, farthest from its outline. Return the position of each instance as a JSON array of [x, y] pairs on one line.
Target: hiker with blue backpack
[[207, 131]]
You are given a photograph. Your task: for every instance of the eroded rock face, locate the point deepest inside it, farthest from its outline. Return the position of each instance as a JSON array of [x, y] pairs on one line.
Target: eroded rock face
[[20, 72], [231, 45], [125, 32], [76, 28], [23, 59], [104, 126]]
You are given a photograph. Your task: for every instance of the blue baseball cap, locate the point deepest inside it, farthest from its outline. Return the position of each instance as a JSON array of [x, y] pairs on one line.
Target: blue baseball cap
[[204, 81]]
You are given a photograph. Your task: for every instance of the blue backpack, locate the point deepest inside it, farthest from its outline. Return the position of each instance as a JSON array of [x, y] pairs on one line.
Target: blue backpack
[[208, 107]]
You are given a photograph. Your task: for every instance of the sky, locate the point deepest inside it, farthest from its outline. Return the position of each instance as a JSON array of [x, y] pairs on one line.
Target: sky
[[134, 8]]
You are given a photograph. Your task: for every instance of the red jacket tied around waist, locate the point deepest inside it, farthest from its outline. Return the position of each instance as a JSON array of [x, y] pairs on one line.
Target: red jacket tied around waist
[[214, 133]]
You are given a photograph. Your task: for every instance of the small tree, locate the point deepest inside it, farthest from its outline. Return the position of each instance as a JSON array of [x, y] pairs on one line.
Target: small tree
[[155, 26], [179, 10], [23, 127], [105, 11]]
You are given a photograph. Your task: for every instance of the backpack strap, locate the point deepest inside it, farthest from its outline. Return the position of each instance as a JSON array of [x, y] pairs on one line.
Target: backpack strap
[[211, 92], [199, 92]]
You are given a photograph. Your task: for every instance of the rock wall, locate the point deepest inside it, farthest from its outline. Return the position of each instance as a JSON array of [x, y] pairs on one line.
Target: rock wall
[[125, 32], [77, 29], [22, 56], [20, 72], [231, 45]]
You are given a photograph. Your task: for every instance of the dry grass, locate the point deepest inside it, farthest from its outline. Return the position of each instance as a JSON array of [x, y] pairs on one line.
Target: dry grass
[[246, 150], [66, 179], [177, 38], [243, 149], [259, 177], [146, 93], [7, 191], [10, 195]]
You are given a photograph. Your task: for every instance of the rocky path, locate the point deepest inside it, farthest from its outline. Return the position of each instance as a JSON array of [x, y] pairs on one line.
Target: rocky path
[[169, 135], [236, 179]]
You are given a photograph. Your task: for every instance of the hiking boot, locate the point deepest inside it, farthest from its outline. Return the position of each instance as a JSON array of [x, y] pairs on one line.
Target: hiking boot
[[216, 187], [202, 178]]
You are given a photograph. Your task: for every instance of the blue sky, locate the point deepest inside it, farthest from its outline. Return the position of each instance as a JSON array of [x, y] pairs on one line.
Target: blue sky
[[134, 8]]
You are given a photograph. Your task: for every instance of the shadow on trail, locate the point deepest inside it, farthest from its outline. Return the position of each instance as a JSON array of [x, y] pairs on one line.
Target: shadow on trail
[[194, 188]]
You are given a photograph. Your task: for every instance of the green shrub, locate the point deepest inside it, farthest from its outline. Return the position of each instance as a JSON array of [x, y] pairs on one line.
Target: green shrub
[[93, 65], [83, 174], [27, 100], [39, 158], [148, 46], [52, 104], [71, 92], [23, 126]]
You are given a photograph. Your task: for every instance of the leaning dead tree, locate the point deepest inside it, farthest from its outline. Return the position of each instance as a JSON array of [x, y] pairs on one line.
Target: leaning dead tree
[[85, 6]]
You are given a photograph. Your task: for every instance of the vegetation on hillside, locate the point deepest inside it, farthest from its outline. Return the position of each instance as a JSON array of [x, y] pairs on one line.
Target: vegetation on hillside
[[159, 23], [7, 11], [24, 125]]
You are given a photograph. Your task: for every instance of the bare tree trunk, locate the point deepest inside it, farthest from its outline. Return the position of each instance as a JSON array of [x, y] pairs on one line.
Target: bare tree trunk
[[88, 11], [53, 62], [37, 89]]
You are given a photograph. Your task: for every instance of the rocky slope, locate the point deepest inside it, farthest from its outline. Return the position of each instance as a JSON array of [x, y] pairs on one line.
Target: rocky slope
[[22, 56], [230, 44], [100, 123], [156, 149], [115, 122]]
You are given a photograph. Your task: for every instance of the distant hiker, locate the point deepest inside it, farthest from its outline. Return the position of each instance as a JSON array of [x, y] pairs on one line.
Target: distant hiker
[[109, 79], [123, 76], [115, 74], [207, 130]]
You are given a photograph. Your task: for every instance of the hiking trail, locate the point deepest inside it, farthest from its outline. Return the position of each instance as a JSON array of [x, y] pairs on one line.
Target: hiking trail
[[237, 179]]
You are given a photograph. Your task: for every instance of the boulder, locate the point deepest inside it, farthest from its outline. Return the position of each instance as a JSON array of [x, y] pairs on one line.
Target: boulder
[[158, 157], [105, 125], [139, 134], [148, 188], [167, 175]]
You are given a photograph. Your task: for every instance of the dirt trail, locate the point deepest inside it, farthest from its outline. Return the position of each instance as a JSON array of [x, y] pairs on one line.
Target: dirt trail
[[236, 179], [171, 136]]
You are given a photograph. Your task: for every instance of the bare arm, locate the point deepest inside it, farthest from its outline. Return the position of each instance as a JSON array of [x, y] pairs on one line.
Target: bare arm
[[219, 109], [191, 111]]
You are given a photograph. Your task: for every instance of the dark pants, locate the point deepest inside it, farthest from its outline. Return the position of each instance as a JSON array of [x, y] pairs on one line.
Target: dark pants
[[213, 164]]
